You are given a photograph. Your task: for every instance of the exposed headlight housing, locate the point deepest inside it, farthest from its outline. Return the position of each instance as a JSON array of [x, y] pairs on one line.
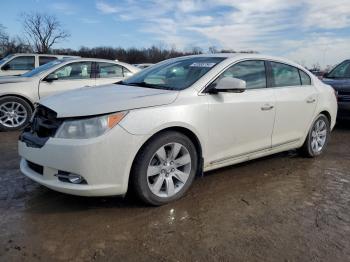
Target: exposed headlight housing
[[89, 127]]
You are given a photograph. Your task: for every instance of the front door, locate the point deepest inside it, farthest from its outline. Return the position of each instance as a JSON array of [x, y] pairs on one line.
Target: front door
[[241, 123], [70, 76], [18, 65]]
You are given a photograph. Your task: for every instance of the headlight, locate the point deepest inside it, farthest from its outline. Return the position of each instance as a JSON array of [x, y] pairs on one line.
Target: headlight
[[89, 127]]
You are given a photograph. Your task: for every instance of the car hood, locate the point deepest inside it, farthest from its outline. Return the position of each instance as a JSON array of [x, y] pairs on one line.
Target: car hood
[[338, 84], [106, 99], [13, 79]]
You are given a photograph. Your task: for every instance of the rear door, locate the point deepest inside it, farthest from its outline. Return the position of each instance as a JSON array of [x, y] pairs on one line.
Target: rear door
[[70, 76], [108, 73], [18, 65], [46, 59], [296, 100]]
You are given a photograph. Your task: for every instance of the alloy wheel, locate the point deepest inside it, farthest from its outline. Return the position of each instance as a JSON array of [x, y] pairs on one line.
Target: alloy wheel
[[318, 135], [169, 170], [12, 114]]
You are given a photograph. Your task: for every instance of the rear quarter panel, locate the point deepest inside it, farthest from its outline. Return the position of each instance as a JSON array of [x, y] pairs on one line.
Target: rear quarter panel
[[327, 100]]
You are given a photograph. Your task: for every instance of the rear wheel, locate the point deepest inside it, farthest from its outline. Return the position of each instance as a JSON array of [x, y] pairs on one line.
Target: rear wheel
[[165, 168], [317, 138], [15, 113]]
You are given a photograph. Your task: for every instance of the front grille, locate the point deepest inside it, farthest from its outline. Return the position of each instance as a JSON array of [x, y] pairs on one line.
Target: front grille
[[43, 126], [35, 167]]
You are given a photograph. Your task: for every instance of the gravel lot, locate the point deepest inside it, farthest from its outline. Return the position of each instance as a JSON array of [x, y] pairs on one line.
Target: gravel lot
[[279, 208]]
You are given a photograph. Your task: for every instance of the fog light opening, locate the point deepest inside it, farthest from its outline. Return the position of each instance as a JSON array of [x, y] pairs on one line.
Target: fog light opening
[[75, 179], [67, 177]]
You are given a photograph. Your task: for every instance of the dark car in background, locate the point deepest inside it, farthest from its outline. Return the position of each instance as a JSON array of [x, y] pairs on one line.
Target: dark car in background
[[339, 79]]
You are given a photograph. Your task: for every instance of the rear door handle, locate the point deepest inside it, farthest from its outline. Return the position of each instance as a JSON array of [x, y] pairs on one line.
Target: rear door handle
[[266, 107], [311, 100]]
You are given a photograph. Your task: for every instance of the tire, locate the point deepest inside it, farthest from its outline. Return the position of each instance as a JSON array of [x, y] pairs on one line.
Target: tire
[[315, 135], [157, 177], [15, 113]]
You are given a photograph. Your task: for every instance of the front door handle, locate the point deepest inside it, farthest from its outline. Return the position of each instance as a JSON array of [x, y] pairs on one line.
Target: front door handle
[[266, 107], [311, 100]]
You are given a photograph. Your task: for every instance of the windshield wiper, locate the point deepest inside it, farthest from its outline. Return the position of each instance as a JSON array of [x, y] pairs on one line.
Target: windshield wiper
[[143, 84]]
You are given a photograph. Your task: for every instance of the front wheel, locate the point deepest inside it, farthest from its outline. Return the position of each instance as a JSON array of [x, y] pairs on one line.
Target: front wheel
[[317, 138], [165, 168], [15, 113]]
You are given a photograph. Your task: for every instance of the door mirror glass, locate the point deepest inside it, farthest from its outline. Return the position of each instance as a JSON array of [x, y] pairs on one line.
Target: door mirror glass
[[51, 78], [230, 84]]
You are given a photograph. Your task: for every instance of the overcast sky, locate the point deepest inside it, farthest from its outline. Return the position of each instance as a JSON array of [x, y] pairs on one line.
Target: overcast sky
[[307, 31]]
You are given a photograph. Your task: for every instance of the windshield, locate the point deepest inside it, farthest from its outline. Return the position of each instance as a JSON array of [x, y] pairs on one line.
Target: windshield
[[43, 68], [340, 71], [175, 75], [5, 59]]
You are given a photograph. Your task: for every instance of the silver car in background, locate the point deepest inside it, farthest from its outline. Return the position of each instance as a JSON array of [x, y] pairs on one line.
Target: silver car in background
[[19, 93]]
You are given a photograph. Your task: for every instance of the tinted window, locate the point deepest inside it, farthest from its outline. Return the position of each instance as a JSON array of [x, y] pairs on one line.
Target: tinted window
[[45, 59], [253, 72], [109, 70], [20, 63], [79, 70], [284, 75], [341, 71], [305, 79]]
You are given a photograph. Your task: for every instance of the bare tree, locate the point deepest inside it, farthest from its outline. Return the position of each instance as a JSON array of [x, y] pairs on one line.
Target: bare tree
[[43, 31], [212, 49], [3, 35], [4, 38]]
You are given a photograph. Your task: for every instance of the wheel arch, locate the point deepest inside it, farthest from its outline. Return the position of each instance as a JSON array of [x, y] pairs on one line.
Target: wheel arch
[[328, 115], [31, 104], [187, 132], [324, 112]]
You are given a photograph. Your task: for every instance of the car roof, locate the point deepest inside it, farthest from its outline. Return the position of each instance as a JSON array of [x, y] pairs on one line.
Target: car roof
[[25, 54], [240, 56], [80, 59]]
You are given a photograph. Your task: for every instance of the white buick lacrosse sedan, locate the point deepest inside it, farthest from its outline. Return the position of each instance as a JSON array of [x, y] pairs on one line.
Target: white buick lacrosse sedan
[[154, 132]]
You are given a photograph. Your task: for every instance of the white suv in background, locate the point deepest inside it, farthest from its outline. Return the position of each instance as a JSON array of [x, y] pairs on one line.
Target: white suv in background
[[19, 93], [18, 64]]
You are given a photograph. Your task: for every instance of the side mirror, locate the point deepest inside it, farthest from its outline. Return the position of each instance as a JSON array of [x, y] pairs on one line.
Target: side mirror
[[50, 78], [227, 84], [6, 67]]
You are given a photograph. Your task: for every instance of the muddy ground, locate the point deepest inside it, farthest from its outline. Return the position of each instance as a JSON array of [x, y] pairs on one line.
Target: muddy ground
[[280, 208]]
